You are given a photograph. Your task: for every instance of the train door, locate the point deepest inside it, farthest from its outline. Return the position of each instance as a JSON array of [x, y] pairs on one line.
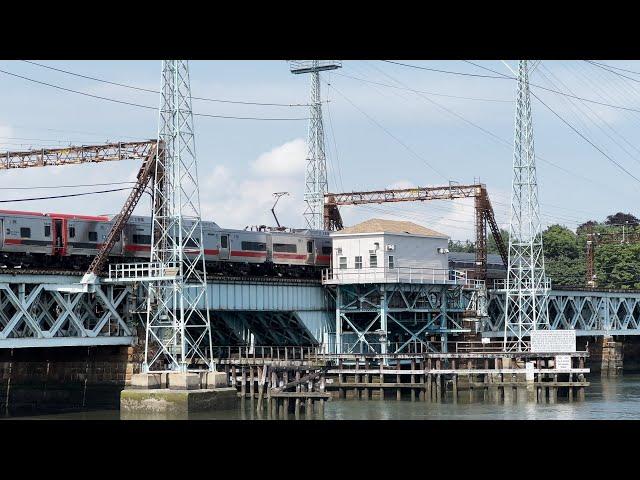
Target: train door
[[224, 247], [311, 252], [59, 240], [1, 232]]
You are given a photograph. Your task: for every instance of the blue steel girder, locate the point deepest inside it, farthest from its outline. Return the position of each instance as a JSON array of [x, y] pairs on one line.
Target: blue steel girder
[[588, 312]]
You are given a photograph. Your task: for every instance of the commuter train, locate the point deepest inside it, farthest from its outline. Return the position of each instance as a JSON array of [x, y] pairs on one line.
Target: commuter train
[[45, 240]]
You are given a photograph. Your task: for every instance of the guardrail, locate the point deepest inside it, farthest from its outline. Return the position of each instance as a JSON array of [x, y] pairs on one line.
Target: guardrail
[[123, 272], [501, 284], [398, 275]]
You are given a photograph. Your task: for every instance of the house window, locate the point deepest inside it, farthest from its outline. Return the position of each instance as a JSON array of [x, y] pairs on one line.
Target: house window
[[358, 263], [47, 230], [72, 232], [343, 263], [391, 262], [93, 236], [25, 232], [373, 260]]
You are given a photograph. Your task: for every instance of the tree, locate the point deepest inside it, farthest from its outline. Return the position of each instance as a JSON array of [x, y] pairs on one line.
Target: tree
[[586, 227], [618, 266], [622, 219], [559, 241]]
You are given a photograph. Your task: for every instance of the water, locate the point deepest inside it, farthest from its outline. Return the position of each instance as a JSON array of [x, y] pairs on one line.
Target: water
[[606, 399]]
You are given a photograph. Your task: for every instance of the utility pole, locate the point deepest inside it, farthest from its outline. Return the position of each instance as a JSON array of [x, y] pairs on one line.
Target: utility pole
[[178, 330], [527, 287], [316, 165]]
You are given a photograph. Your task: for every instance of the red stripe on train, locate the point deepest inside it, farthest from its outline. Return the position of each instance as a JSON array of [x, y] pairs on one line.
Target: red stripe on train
[[12, 241], [238, 253], [294, 256]]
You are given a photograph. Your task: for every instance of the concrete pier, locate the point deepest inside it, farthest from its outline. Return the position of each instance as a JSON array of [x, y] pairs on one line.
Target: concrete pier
[[179, 394]]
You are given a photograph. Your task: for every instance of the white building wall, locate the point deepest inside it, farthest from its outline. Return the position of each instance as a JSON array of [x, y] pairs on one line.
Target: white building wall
[[412, 255]]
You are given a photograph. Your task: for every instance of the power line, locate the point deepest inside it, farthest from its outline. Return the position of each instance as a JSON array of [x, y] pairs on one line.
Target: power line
[[387, 131], [422, 91], [148, 90], [586, 139], [507, 77], [63, 196], [442, 71], [67, 186], [148, 107]]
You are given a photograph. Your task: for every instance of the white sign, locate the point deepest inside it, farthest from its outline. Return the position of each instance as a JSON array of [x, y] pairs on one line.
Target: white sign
[[485, 340], [563, 362], [529, 371], [553, 341], [328, 380]]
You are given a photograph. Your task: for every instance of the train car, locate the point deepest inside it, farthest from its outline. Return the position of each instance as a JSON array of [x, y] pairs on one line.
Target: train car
[[72, 241]]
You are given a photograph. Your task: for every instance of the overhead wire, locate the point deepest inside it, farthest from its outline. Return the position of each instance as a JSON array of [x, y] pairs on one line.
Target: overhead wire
[[148, 107], [148, 90]]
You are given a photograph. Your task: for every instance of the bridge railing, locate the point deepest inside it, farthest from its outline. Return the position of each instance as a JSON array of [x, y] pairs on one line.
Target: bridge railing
[[384, 274], [137, 272]]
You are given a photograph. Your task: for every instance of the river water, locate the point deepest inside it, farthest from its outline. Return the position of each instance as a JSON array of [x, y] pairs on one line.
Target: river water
[[606, 399]]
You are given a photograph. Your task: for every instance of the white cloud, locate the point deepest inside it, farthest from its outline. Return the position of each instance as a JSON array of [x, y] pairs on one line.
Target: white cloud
[[284, 160]]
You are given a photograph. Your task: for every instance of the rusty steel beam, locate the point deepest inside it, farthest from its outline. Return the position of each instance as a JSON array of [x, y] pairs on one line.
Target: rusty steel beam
[[483, 211], [145, 174], [76, 155], [445, 192]]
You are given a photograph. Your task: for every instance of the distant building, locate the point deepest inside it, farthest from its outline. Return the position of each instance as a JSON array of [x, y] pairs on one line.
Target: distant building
[[380, 250], [466, 262]]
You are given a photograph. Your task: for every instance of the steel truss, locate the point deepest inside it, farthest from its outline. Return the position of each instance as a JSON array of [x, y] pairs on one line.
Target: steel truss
[[316, 166], [76, 155], [34, 313], [178, 329], [396, 318], [260, 328], [587, 312], [527, 287]]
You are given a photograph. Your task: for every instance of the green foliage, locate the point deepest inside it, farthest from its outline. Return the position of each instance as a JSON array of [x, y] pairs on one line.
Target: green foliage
[[565, 271], [622, 219], [559, 241], [618, 266]]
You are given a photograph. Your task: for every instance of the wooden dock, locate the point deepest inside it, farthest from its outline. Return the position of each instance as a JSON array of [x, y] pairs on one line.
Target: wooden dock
[[296, 380]]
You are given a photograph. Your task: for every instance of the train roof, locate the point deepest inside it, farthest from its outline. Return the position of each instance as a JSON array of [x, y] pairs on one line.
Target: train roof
[[68, 216]]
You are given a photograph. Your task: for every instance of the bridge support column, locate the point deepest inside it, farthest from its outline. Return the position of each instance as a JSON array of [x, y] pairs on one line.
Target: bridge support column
[[606, 355]]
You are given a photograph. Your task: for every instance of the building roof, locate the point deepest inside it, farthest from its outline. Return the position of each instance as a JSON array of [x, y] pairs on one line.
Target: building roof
[[379, 225]]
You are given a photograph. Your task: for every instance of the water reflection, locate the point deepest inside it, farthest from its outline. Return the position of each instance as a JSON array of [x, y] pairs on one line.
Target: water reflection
[[613, 398]]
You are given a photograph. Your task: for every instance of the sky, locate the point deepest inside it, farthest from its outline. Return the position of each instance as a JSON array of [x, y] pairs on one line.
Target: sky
[[386, 126]]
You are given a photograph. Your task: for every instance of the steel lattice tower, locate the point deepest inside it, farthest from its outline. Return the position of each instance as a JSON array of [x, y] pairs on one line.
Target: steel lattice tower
[[316, 163], [178, 331], [527, 287]]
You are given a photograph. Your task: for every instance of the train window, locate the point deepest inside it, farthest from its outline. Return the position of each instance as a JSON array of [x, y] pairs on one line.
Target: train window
[[8, 231], [358, 263], [72, 232], [224, 241], [326, 250], [25, 232], [255, 246], [142, 239], [93, 236], [47, 230], [343, 262], [285, 247], [310, 246], [373, 260]]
